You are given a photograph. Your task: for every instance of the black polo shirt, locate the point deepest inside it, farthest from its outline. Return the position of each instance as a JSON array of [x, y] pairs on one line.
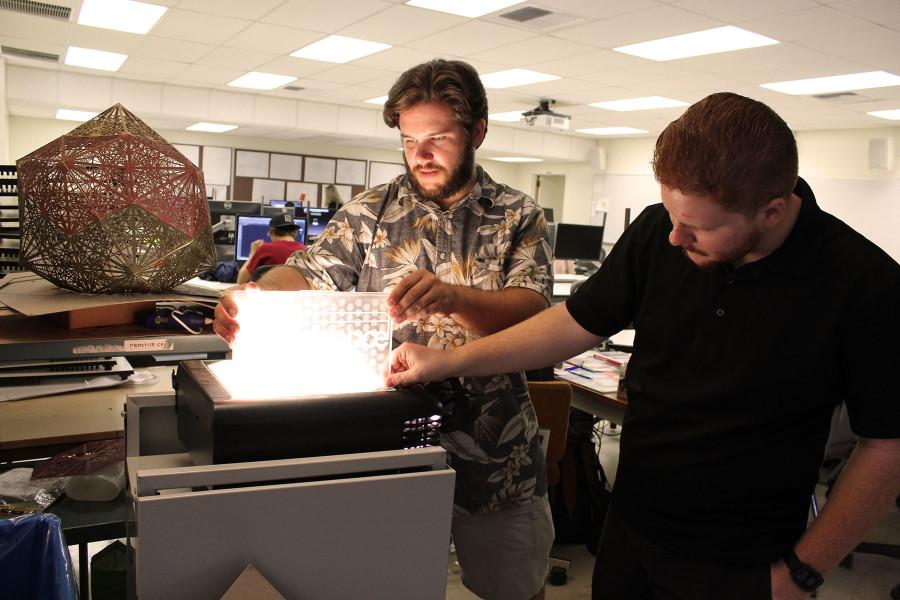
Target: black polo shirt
[[735, 375]]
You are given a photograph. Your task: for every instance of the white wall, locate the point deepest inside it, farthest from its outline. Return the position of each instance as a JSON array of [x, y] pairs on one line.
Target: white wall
[[836, 163], [578, 191]]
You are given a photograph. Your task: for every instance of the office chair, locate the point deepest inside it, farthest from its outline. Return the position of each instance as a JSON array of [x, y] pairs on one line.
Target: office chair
[[551, 400]]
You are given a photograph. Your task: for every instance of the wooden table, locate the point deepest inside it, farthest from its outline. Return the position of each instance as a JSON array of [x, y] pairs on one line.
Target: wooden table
[[42, 427], [605, 405]]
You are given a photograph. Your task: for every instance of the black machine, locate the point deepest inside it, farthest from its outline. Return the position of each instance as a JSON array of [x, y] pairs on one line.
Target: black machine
[[217, 428]]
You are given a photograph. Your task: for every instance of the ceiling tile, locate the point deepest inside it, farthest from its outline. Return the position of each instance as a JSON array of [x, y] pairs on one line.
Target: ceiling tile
[[595, 61], [650, 24], [265, 37], [400, 24], [862, 41], [104, 39], [735, 11], [240, 9], [884, 12], [197, 27], [396, 59], [536, 50], [151, 69], [350, 74], [203, 74], [470, 38], [172, 50], [324, 15], [598, 10], [26, 26], [237, 58], [298, 67], [803, 24]]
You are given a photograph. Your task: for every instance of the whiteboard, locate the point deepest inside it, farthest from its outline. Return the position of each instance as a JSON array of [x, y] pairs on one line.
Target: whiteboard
[[381, 172], [295, 188], [191, 152], [345, 191], [267, 189], [351, 172], [217, 165], [251, 164], [286, 166], [319, 170]]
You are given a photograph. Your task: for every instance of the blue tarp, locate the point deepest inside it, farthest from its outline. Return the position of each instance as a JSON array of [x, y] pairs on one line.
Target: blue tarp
[[34, 559]]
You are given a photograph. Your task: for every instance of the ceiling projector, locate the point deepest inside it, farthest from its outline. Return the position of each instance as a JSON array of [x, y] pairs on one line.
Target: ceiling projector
[[544, 117]]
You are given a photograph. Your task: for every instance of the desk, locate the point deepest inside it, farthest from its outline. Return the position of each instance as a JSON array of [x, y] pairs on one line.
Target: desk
[[605, 405], [41, 427]]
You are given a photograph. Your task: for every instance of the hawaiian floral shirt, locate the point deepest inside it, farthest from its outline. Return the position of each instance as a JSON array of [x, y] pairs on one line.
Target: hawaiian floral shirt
[[495, 238]]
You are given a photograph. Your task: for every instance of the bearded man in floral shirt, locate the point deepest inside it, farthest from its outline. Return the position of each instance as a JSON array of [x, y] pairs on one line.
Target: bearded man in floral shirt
[[463, 257]]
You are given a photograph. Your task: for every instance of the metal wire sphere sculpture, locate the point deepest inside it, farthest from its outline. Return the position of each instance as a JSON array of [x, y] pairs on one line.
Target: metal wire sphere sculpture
[[112, 207]]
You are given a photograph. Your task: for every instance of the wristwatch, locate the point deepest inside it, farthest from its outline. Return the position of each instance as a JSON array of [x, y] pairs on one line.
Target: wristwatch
[[805, 577]]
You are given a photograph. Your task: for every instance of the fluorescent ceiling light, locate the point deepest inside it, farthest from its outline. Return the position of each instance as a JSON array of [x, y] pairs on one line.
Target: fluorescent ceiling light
[[121, 15], [610, 130], [211, 127], [709, 41], [94, 59], [516, 159], [379, 100], [645, 103], [463, 8], [339, 49], [261, 81], [64, 114], [893, 114], [510, 117], [514, 77], [835, 83]]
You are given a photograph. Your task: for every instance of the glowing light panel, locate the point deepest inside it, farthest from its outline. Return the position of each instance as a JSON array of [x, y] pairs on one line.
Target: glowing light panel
[[307, 343]]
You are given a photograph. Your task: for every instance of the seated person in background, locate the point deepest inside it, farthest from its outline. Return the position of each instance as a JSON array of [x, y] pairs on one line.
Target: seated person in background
[[283, 233], [333, 200]]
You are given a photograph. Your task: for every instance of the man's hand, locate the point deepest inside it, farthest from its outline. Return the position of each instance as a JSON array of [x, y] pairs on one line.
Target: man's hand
[[783, 587], [225, 323], [254, 245], [421, 294], [411, 363]]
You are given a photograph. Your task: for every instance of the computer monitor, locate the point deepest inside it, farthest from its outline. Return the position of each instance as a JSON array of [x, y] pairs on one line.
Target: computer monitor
[[229, 207], [271, 211], [548, 215], [251, 228], [578, 242], [317, 219], [279, 203]]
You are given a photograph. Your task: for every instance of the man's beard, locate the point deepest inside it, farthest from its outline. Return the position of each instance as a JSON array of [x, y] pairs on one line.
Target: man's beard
[[727, 261], [459, 178]]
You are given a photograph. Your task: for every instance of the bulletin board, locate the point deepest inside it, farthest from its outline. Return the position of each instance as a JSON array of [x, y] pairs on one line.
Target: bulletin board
[[265, 176], [383, 172]]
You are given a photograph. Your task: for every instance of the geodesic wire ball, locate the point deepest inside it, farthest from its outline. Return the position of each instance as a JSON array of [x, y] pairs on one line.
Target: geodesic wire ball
[[112, 207]]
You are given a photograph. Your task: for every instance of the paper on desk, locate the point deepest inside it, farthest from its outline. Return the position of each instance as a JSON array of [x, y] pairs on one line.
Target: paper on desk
[[74, 384], [602, 381], [32, 295]]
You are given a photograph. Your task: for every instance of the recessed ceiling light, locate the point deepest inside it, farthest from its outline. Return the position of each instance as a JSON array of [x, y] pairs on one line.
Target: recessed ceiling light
[[835, 83], [645, 103], [339, 49], [211, 127], [121, 15], [65, 114], [463, 8], [94, 59], [261, 81], [510, 117], [379, 100], [610, 130], [516, 159], [513, 77], [893, 114], [698, 43]]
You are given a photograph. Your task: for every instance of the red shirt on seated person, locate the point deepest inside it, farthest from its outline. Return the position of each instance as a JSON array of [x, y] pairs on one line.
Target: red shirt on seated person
[[283, 233]]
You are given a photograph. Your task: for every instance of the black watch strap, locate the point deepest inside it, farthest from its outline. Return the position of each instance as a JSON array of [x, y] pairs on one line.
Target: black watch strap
[[805, 576]]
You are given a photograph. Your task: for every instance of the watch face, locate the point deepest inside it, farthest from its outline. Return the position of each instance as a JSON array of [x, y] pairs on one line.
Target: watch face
[[806, 578]]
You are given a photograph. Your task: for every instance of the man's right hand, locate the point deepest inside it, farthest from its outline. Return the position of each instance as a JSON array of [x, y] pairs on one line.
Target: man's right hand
[[225, 323]]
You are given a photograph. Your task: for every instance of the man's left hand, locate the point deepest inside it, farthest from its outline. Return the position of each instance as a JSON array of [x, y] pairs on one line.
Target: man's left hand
[[783, 587], [421, 294]]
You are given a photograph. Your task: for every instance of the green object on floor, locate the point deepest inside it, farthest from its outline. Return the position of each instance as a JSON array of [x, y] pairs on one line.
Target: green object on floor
[[108, 572]]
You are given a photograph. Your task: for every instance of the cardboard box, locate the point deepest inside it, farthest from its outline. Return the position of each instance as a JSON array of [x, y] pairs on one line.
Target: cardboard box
[[251, 585]]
